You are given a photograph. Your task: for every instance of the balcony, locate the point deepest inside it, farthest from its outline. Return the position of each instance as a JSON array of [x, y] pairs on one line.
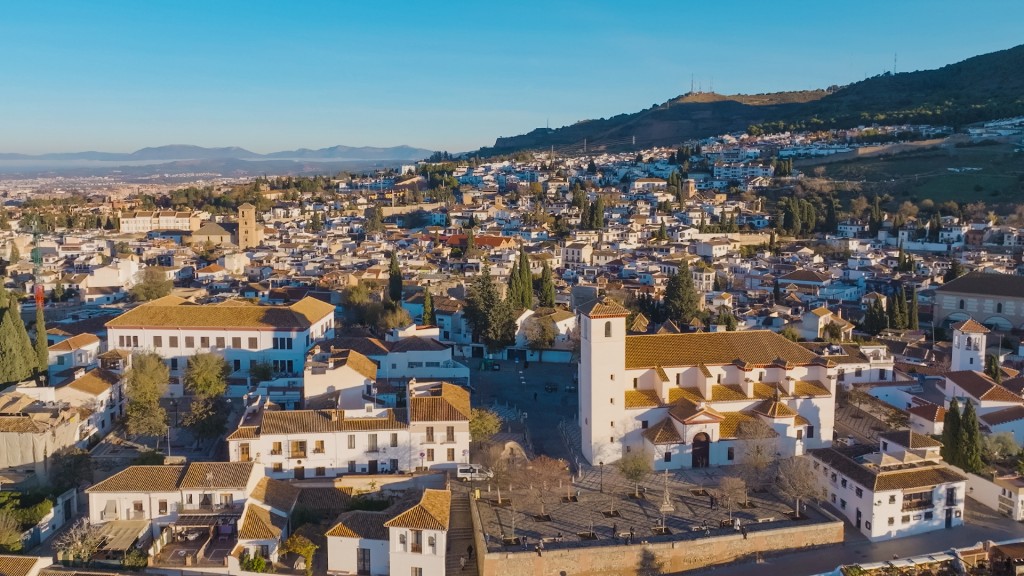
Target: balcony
[[917, 505], [416, 548], [275, 452], [318, 450], [297, 454]]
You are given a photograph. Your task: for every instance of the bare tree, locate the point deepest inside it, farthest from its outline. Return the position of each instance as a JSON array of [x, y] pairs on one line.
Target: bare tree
[[634, 467], [796, 479], [758, 444], [548, 472], [80, 542], [730, 492]]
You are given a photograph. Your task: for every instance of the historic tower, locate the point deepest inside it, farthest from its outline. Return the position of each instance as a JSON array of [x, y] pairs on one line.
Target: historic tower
[[602, 326], [968, 346], [248, 229]]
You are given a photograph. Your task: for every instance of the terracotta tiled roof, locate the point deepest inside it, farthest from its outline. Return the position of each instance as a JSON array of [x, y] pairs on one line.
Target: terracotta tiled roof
[[141, 479], [244, 433], [330, 501], [928, 411], [356, 361], [604, 308], [662, 376], [685, 412], [810, 388], [969, 326], [432, 513], [312, 421], [257, 525], [95, 382], [75, 343], [641, 399], [217, 475], [161, 312], [758, 347], [774, 409], [986, 284], [923, 476], [980, 386], [1011, 414], [663, 432], [17, 565], [731, 422], [909, 439], [451, 404], [276, 494], [361, 524]]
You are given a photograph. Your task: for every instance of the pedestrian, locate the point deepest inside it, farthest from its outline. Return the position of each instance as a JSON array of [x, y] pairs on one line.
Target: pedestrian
[[615, 531], [462, 562], [469, 551], [534, 396], [743, 530], [632, 534]]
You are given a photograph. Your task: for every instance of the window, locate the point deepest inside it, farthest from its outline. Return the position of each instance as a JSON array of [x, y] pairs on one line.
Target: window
[[371, 443], [449, 434], [611, 400], [892, 521], [843, 483], [905, 519], [252, 343], [204, 341], [158, 341], [220, 342], [885, 445], [190, 342], [275, 449], [416, 571], [999, 307], [858, 371], [643, 424], [172, 341], [351, 466], [961, 304], [635, 382], [668, 456], [243, 452], [892, 499], [842, 504], [318, 447], [859, 492], [867, 525], [298, 449], [321, 471], [810, 431], [161, 507], [278, 467], [929, 515], [394, 439], [236, 342], [351, 441], [799, 434], [608, 329], [730, 454], [451, 455], [430, 433], [174, 363], [430, 454]]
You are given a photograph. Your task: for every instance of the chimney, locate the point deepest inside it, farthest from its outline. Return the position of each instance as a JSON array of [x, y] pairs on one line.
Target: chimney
[[79, 372], [748, 387], [790, 385]]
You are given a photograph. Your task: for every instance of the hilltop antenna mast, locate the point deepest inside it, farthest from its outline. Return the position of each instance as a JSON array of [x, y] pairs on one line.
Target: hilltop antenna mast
[[691, 83], [893, 63], [711, 85]]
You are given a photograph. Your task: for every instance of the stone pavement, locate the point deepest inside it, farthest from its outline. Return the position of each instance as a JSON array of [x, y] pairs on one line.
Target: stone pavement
[[602, 505], [460, 534]]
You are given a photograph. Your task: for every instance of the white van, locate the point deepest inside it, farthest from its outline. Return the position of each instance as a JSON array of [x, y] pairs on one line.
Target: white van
[[473, 472]]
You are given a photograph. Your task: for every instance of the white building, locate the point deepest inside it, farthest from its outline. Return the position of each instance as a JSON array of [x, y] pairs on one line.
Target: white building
[[903, 489], [144, 221], [244, 333], [680, 398], [363, 440], [412, 542]]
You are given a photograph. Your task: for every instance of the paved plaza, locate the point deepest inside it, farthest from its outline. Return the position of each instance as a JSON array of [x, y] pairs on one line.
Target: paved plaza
[[599, 509]]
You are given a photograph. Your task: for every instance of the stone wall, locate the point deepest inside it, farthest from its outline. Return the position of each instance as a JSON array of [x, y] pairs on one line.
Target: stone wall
[[669, 557]]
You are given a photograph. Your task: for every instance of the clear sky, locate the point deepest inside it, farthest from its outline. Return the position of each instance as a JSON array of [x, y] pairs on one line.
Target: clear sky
[[121, 75]]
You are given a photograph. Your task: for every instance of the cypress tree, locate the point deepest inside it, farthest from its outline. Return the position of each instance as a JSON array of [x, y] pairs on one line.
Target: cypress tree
[[395, 281], [681, 300], [993, 369], [970, 443], [18, 359], [428, 307], [515, 285], [547, 286], [42, 348], [526, 280], [913, 320], [890, 311], [951, 434]]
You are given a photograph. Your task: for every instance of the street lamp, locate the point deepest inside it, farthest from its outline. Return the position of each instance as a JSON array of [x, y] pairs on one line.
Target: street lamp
[[421, 459], [601, 465]]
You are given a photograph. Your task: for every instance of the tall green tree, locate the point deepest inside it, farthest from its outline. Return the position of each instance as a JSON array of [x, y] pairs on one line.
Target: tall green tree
[[206, 375], [491, 318], [147, 381], [547, 286], [951, 434], [152, 283], [525, 279], [955, 271], [682, 302], [993, 369], [42, 348], [395, 280], [18, 358], [428, 307], [15, 255], [970, 443], [913, 315]]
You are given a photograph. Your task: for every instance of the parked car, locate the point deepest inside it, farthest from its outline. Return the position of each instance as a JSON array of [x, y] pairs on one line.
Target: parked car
[[551, 387], [473, 472], [496, 367], [570, 387]]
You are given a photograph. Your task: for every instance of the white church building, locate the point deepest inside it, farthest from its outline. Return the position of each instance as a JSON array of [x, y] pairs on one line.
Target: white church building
[[681, 398]]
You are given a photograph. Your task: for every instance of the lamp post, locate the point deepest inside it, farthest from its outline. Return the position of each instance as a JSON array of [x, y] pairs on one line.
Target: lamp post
[[421, 459], [601, 466]]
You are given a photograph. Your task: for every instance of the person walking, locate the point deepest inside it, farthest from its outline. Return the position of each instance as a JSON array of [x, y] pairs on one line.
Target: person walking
[[462, 562], [469, 551]]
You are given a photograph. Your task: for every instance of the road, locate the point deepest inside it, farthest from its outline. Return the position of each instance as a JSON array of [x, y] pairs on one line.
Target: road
[[981, 524]]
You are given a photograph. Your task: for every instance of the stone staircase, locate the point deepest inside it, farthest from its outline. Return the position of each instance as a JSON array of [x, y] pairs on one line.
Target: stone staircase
[[460, 535]]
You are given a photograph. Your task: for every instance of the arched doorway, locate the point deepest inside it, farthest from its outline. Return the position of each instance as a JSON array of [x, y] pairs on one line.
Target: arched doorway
[[701, 451]]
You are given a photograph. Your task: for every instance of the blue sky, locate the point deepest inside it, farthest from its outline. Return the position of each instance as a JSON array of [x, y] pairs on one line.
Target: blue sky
[[118, 76]]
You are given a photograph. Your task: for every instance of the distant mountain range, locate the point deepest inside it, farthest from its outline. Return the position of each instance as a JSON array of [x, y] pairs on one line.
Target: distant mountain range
[[981, 88], [186, 152]]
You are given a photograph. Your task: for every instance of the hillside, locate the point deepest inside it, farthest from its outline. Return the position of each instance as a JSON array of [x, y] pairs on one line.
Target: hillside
[[979, 88]]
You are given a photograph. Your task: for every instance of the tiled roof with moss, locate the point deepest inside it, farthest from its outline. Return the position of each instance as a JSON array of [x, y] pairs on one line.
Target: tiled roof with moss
[[664, 432], [256, 524], [177, 314], [141, 479], [277, 494], [217, 475], [320, 421], [756, 347], [445, 404], [636, 399], [432, 513]]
